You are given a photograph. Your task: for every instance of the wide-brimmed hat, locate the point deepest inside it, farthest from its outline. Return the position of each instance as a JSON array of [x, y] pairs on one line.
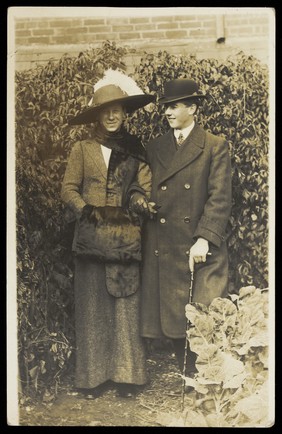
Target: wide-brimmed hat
[[115, 87], [181, 88]]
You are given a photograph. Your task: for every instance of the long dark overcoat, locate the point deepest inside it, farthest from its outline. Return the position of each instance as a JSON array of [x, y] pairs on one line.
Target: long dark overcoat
[[192, 185]]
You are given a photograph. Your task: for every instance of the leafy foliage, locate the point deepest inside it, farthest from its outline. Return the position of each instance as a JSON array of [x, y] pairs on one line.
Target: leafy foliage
[[230, 339], [46, 97], [231, 343]]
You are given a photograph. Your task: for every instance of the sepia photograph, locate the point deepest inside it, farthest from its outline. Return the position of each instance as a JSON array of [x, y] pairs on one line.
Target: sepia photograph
[[140, 217]]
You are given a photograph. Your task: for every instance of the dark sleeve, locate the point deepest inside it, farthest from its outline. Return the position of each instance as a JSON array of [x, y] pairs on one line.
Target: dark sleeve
[[212, 224], [141, 184]]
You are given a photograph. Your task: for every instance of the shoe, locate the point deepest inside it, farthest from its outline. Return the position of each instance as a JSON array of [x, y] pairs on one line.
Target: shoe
[[189, 389], [191, 374], [126, 390], [91, 394]]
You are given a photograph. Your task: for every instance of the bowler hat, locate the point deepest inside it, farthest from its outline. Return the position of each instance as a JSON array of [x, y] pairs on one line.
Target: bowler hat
[[107, 95], [181, 88]]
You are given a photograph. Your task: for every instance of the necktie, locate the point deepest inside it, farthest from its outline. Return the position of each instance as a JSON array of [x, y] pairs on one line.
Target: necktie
[[180, 139]]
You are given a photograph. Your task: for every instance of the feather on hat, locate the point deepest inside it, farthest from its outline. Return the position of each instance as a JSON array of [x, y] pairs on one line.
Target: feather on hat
[[114, 87]]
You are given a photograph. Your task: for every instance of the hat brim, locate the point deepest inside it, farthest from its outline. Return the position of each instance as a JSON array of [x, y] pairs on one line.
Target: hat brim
[[166, 100], [130, 103]]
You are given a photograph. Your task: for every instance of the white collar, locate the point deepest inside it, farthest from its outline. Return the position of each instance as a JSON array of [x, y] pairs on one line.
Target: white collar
[[106, 154], [185, 131]]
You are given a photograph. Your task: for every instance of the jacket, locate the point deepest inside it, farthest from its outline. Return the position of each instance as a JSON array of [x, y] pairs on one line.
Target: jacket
[[88, 181], [192, 186]]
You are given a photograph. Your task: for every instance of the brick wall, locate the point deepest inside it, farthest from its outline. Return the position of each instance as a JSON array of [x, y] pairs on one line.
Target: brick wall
[[84, 30], [38, 39]]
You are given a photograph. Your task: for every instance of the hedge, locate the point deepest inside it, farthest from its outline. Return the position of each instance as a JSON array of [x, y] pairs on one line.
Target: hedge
[[46, 97]]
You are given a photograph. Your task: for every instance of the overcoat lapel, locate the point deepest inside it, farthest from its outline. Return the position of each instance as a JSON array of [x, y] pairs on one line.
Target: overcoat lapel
[[166, 149], [188, 152], [94, 152]]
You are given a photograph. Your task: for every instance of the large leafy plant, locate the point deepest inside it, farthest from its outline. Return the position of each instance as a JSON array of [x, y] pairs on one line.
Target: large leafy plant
[[230, 338]]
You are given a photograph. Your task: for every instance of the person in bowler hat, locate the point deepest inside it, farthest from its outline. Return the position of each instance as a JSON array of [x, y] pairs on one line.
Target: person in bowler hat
[[101, 174], [191, 185]]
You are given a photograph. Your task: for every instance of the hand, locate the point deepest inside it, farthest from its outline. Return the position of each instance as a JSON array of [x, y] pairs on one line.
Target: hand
[[198, 252], [153, 209], [139, 204], [87, 210]]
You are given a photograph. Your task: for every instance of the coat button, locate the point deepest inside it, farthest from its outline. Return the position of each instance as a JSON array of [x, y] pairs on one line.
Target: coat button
[[163, 187], [162, 220], [186, 219], [156, 253], [187, 186]]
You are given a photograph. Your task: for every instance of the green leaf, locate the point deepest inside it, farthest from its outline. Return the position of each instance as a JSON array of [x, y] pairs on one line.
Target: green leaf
[[235, 382], [255, 408], [195, 419], [192, 311], [223, 312]]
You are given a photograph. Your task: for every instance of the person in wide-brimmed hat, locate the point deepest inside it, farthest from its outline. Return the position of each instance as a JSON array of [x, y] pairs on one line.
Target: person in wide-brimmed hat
[[103, 175], [191, 184], [107, 95]]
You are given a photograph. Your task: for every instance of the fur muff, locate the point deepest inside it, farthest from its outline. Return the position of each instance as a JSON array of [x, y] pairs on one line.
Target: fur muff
[[109, 234]]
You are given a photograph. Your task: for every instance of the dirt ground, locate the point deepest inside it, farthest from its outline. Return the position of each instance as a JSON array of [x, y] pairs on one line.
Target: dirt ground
[[160, 399]]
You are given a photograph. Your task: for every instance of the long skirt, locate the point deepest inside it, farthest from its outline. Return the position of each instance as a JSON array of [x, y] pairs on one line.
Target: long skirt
[[108, 342]]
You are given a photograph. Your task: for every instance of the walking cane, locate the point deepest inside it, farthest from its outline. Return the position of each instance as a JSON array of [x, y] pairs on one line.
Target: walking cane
[[186, 340], [190, 295]]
